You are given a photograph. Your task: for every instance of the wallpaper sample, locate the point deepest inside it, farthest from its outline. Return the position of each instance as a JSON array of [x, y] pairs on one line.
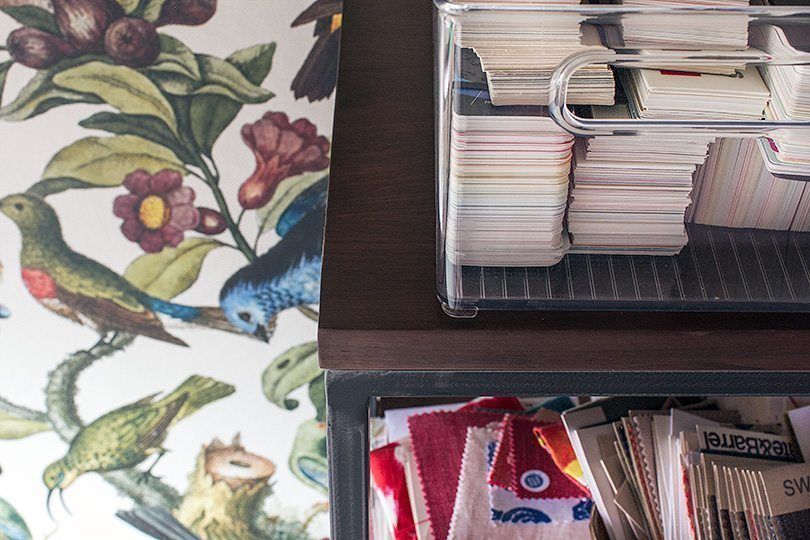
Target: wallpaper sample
[[161, 219]]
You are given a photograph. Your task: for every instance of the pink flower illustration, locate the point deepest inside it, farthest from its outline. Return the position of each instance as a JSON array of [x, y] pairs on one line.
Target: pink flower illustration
[[158, 209], [282, 149]]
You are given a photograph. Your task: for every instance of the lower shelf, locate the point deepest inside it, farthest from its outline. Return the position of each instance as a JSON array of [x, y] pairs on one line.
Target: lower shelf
[[721, 269]]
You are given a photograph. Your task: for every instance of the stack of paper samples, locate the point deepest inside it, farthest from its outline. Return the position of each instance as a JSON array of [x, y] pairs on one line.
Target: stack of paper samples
[[508, 190], [520, 51], [522, 192], [676, 95], [790, 100], [683, 469], [733, 63], [735, 189], [681, 31], [630, 193]]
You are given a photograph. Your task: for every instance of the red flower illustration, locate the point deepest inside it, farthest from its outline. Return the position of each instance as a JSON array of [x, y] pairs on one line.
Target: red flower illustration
[[282, 149], [157, 211]]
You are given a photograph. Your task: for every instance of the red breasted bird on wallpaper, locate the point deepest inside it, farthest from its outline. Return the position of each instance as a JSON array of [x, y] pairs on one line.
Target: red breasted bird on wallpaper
[[317, 77], [82, 289]]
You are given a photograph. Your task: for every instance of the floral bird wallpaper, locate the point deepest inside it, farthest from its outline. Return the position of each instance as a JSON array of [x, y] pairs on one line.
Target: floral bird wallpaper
[[162, 204]]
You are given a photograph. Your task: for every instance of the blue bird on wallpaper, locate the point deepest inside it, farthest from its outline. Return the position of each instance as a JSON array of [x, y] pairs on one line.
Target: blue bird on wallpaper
[[288, 275]]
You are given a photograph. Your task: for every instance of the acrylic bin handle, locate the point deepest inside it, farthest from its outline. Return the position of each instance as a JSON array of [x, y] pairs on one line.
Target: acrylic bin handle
[[721, 128]]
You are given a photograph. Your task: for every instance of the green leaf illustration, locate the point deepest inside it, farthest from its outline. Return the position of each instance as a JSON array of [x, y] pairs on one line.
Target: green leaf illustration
[[52, 186], [105, 161], [41, 95], [14, 427], [4, 67], [308, 456], [223, 78], [128, 5], [214, 77], [33, 17], [12, 523], [122, 87], [151, 9], [211, 114], [254, 62], [175, 57], [174, 83], [288, 190], [290, 371], [146, 127], [166, 274]]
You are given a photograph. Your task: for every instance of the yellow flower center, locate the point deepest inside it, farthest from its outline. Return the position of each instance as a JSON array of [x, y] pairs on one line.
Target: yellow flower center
[[153, 212]]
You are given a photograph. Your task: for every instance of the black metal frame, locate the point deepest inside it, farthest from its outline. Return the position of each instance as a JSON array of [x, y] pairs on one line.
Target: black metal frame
[[349, 395]]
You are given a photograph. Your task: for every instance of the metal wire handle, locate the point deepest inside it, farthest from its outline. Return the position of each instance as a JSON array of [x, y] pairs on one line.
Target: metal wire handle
[[577, 125]]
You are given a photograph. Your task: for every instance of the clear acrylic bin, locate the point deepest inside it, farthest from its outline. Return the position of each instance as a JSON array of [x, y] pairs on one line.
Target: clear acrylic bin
[[623, 157]]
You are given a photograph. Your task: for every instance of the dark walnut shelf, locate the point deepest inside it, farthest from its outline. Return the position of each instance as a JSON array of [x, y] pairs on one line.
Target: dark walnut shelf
[[379, 309]]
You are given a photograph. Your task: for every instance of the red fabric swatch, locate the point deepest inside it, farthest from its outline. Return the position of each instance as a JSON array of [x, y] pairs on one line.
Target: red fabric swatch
[[534, 474], [554, 439], [438, 440], [495, 403], [388, 476], [500, 474]]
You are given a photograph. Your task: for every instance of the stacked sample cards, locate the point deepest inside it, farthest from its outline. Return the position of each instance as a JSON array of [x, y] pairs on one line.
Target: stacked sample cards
[[790, 100], [520, 51], [508, 188], [683, 469], [630, 193], [735, 189], [508, 201], [681, 31], [676, 95], [733, 63]]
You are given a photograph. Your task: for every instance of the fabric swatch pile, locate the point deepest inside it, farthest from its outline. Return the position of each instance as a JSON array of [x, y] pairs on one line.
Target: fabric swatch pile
[[494, 468], [618, 468]]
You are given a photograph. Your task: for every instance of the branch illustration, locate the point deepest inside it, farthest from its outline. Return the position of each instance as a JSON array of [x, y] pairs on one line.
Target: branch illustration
[[22, 412], [309, 313], [211, 179], [61, 412]]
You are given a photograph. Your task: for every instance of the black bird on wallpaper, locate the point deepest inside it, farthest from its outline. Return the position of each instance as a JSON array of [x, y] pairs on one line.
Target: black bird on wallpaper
[[317, 77]]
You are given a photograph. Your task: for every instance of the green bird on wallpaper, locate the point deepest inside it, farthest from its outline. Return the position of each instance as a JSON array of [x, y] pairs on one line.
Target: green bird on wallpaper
[[85, 291], [125, 437]]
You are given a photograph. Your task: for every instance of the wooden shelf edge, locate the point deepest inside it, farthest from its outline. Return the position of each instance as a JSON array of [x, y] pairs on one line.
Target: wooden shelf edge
[[564, 350]]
